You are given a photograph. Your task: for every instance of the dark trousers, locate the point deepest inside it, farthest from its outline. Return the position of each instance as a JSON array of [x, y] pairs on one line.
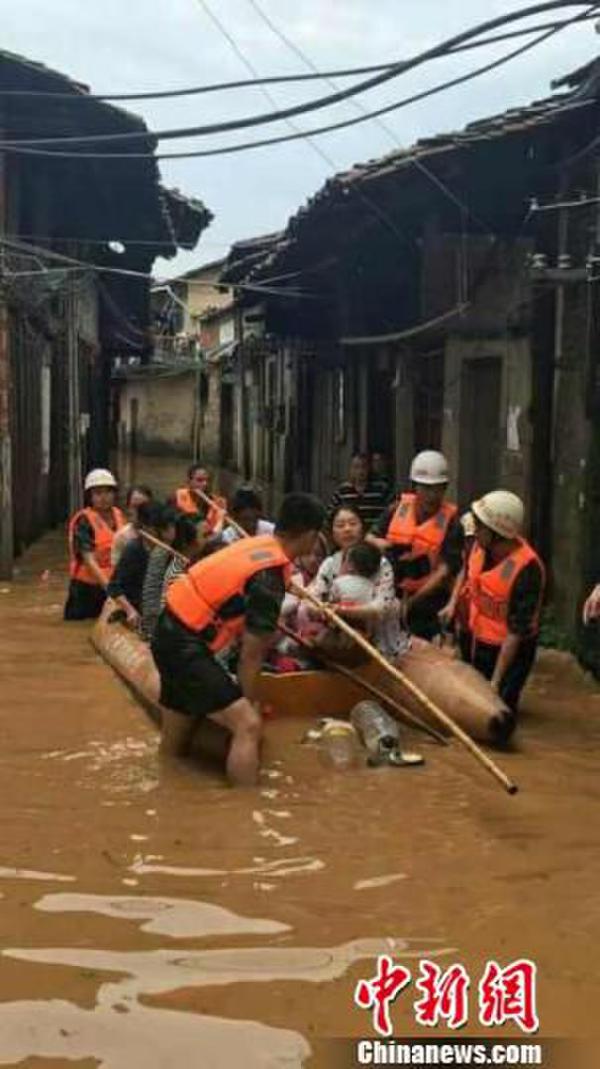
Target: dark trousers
[[484, 657], [84, 601]]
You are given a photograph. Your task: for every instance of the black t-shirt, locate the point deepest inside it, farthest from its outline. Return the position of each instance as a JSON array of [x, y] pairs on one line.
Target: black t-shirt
[[129, 575]]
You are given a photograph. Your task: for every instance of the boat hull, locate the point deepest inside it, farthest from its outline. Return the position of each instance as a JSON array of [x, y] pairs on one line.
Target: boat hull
[[455, 687]]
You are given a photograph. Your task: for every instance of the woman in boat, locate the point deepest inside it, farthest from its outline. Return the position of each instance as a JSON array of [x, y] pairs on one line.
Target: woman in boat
[[136, 496], [127, 583], [382, 613], [91, 534]]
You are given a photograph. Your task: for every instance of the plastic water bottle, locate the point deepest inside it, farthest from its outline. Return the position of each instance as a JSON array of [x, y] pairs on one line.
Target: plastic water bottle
[[377, 729], [339, 745]]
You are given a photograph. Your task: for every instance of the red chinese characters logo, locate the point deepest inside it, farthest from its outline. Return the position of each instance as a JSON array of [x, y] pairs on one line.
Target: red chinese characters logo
[[509, 995], [444, 995], [378, 993], [505, 995]]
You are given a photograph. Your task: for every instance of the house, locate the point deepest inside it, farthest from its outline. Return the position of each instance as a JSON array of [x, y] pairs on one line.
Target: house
[[160, 405], [446, 296], [78, 237]]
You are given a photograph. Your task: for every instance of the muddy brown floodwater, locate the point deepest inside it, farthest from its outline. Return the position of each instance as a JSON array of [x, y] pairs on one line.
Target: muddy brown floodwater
[[152, 918]]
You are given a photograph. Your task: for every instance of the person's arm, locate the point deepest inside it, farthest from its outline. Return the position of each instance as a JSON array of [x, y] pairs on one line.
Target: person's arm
[[447, 614], [84, 542], [523, 608], [377, 536], [89, 558], [450, 563], [264, 595], [591, 608], [126, 570], [253, 652]]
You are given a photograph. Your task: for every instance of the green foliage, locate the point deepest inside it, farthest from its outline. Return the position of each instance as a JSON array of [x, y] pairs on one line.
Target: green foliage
[[553, 634]]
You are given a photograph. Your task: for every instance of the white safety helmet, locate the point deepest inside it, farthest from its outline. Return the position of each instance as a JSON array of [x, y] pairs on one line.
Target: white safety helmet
[[429, 468], [501, 511], [99, 477]]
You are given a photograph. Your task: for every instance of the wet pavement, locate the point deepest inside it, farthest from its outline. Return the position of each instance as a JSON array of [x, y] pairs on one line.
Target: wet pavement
[[154, 917]]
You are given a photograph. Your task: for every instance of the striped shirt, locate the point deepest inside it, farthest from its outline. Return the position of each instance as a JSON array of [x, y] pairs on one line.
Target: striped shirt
[[152, 590], [369, 503]]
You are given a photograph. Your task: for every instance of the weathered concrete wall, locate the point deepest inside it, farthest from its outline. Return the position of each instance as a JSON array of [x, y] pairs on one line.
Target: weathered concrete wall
[[513, 409], [166, 414], [571, 449]]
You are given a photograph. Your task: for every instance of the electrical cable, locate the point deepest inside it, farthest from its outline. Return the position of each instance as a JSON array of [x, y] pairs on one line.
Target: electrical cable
[[246, 83], [312, 105], [315, 131], [34, 251]]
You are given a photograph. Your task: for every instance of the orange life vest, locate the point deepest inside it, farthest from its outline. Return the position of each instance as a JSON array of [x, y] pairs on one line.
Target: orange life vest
[[197, 596], [103, 540], [490, 592], [425, 539], [186, 502]]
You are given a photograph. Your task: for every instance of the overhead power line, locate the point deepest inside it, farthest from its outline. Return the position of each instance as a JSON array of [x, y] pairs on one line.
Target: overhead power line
[[37, 253], [312, 105], [273, 79], [315, 131]]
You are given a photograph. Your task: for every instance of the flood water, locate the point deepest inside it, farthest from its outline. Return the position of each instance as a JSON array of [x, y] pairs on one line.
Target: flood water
[[152, 917]]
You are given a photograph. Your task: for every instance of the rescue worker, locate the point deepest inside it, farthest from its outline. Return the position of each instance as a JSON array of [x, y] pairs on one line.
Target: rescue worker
[[506, 580], [188, 501], [230, 598], [422, 536], [91, 534]]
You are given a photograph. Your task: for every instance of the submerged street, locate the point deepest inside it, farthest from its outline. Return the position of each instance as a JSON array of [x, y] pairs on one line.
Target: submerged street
[[147, 912]]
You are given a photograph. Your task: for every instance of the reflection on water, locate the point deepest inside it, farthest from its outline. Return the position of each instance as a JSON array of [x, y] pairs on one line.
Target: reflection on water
[[175, 917], [126, 1034], [294, 871]]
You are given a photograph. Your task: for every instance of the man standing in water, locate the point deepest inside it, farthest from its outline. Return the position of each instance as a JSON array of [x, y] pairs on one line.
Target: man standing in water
[[188, 500], [505, 584], [231, 597], [423, 538]]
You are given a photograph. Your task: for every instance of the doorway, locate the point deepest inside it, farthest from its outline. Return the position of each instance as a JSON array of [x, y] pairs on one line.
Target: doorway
[[481, 384]]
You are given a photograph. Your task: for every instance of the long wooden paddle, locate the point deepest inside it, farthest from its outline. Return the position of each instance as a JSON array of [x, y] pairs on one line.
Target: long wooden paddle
[[371, 689], [396, 674]]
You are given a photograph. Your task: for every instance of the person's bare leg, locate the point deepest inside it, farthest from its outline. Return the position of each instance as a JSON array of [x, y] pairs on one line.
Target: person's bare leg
[[176, 732], [245, 725]]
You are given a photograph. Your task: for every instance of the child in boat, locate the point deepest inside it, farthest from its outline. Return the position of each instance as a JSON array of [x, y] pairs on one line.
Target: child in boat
[[356, 584]]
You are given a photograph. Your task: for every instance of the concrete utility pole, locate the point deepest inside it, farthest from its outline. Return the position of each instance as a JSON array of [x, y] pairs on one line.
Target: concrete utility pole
[[75, 471], [6, 502]]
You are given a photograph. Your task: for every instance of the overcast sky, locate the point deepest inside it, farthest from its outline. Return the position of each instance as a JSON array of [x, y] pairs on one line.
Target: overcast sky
[[128, 45]]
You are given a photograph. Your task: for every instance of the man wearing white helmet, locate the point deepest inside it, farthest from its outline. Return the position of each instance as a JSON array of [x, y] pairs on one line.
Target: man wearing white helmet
[[505, 579], [423, 538], [91, 535]]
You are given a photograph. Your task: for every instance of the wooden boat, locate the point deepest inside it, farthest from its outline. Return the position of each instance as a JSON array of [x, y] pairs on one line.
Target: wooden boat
[[455, 687]]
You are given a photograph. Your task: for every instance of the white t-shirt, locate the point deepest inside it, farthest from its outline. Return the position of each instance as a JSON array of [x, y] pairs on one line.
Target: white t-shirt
[[263, 527]]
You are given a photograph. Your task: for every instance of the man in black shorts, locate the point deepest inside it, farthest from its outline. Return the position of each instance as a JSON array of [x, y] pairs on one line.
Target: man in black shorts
[[230, 598]]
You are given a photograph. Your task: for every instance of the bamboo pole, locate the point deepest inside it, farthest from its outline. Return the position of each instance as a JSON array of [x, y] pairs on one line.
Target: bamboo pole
[[365, 684], [395, 674], [400, 677]]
